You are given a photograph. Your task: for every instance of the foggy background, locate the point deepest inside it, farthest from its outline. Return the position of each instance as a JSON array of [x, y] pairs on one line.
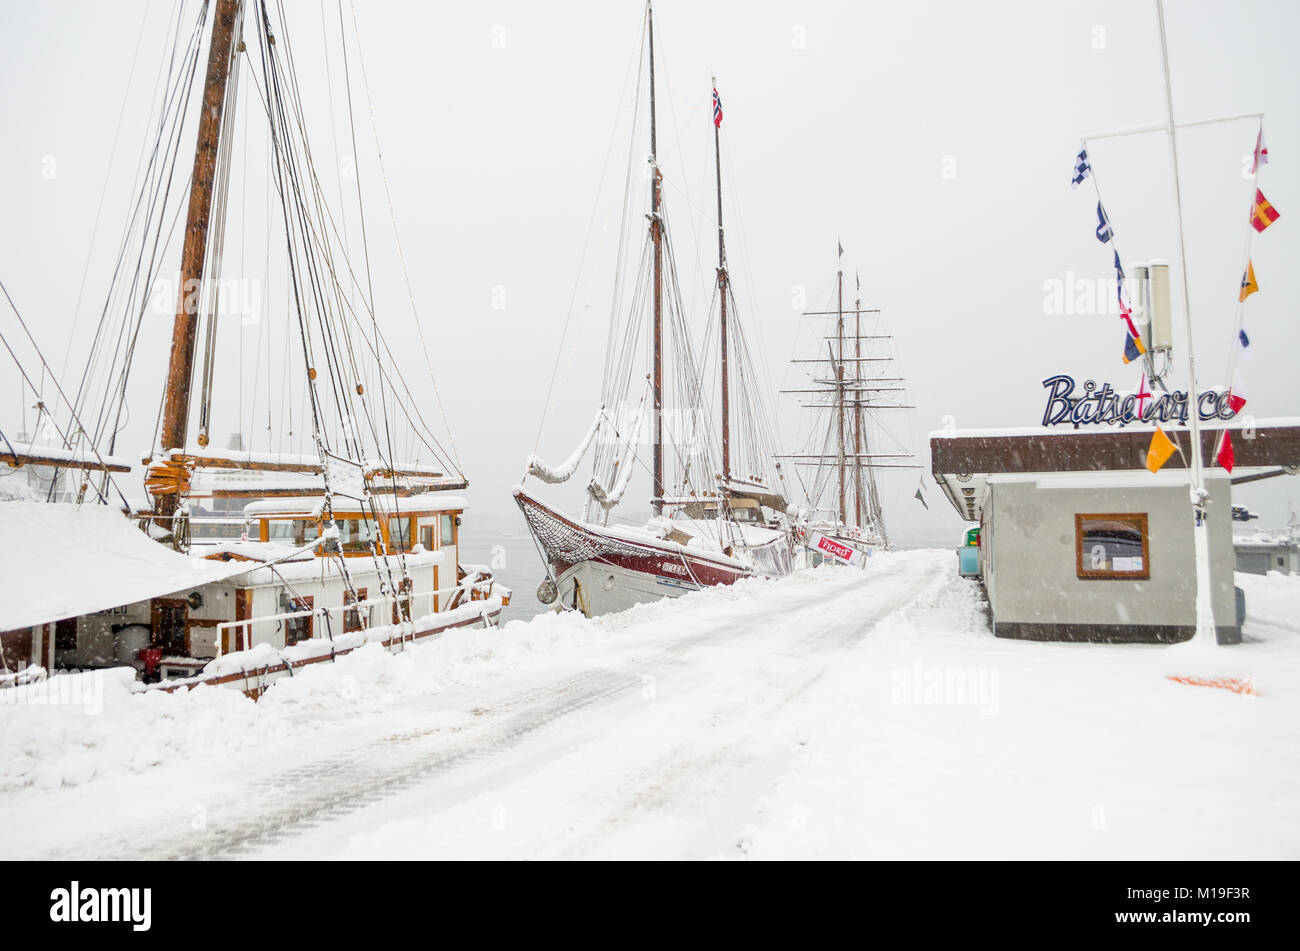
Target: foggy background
[[935, 141]]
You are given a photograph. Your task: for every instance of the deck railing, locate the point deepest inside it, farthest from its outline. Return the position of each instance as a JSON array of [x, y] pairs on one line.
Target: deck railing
[[391, 601]]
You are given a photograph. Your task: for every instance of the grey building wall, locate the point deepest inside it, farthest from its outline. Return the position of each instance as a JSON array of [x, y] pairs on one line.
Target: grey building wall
[[1257, 559], [1030, 568]]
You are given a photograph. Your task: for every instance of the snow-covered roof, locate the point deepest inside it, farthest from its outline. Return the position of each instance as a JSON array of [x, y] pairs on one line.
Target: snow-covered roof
[[1261, 540], [966, 462], [251, 550], [426, 503], [64, 560], [1240, 422]]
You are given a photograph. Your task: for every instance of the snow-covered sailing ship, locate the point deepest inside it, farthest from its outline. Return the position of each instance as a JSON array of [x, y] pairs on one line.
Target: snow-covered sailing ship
[[719, 509], [852, 386], [250, 562]]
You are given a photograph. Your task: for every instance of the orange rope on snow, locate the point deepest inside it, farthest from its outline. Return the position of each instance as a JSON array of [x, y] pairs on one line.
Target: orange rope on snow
[[1242, 685]]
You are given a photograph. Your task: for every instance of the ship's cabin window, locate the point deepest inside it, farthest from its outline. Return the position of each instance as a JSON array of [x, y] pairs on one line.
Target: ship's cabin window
[[357, 534], [427, 535], [748, 514], [355, 618], [298, 628], [448, 530], [399, 534], [297, 531]]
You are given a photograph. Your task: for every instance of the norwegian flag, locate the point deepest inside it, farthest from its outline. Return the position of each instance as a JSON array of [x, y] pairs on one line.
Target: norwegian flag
[[1236, 394], [717, 108], [1261, 152]]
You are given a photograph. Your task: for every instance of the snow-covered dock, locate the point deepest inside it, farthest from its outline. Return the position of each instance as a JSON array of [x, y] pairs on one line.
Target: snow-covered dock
[[829, 713]]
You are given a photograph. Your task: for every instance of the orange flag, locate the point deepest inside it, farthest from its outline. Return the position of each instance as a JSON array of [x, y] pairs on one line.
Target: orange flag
[[1161, 448], [1248, 283]]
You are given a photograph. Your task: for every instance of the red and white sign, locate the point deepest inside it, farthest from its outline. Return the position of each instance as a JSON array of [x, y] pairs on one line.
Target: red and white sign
[[838, 551]]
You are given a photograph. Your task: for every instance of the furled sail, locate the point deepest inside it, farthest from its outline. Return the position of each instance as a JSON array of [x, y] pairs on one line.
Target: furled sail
[[562, 473], [612, 498]]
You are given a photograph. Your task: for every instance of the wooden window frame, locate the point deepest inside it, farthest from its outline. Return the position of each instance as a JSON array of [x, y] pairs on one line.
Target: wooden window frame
[[306, 603], [405, 590], [16, 648], [63, 641], [243, 635], [350, 613], [1092, 575], [155, 623], [407, 525]]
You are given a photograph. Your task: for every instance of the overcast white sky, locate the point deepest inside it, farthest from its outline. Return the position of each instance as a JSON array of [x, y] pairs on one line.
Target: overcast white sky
[[934, 139]]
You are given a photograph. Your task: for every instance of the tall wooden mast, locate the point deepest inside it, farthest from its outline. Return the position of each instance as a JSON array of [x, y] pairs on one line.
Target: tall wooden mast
[[180, 368], [656, 235], [839, 377], [857, 404], [722, 297]]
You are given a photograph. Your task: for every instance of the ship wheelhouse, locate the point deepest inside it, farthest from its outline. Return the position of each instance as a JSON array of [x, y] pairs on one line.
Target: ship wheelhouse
[[429, 523]]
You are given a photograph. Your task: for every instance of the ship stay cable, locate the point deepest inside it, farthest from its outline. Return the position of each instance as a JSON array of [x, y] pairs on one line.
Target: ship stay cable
[[339, 352], [382, 355], [382, 563], [153, 193], [65, 437], [143, 187], [104, 186]]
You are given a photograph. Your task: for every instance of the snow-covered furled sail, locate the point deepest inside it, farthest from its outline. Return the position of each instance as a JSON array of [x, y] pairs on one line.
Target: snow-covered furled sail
[[625, 474], [563, 472]]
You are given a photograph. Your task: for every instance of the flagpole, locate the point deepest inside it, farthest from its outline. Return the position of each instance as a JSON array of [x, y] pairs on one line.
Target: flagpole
[[1247, 266], [1205, 633]]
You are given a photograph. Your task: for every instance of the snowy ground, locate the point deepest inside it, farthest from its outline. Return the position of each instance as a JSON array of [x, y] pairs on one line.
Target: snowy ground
[[831, 713]]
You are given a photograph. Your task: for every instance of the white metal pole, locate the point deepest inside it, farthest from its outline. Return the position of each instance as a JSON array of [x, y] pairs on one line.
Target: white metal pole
[[1199, 496]]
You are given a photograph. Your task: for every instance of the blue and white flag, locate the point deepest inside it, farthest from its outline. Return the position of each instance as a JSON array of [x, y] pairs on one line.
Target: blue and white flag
[[1124, 307], [1104, 230], [1081, 169]]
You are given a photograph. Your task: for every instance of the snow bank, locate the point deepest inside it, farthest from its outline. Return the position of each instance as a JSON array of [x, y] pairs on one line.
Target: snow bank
[[937, 740], [107, 728], [74, 728]]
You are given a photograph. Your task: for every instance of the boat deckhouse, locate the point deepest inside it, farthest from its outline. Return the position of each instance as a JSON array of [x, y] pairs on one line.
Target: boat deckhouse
[[98, 592]]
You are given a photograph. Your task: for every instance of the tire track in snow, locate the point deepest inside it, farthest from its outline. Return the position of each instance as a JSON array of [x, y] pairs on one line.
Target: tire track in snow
[[275, 808], [683, 780]]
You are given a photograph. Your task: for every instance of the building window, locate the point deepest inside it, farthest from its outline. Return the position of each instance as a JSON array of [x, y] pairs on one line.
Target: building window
[[426, 537], [448, 531], [1111, 546]]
